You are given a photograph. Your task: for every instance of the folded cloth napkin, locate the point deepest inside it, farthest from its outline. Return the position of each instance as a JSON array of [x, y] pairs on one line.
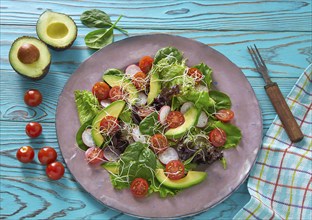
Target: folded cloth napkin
[[280, 183]]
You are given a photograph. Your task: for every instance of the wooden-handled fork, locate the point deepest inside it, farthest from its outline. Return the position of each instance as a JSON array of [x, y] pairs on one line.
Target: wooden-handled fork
[[276, 97]]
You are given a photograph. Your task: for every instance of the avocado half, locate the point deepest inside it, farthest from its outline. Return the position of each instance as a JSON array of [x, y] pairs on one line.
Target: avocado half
[[30, 57], [57, 30]]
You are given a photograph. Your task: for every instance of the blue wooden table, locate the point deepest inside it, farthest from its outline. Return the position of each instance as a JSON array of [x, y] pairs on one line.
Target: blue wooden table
[[281, 29]]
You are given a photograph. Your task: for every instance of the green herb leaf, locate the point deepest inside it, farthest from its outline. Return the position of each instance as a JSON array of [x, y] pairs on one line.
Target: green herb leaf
[[172, 54], [222, 100], [87, 105], [100, 38], [99, 19], [149, 125]]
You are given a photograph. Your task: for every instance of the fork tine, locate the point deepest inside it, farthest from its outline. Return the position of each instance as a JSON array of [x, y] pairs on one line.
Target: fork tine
[[259, 55], [252, 54]]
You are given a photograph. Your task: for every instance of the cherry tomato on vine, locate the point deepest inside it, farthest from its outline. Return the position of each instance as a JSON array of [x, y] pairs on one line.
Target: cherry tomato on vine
[[175, 119], [33, 129], [159, 143], [225, 115], [25, 154], [146, 64], [100, 90], [55, 170], [32, 97], [109, 125], [195, 73], [175, 170], [139, 187], [47, 155], [117, 93], [217, 137]]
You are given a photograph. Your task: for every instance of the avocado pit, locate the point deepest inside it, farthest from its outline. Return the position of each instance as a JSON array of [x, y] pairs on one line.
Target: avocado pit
[[28, 53]]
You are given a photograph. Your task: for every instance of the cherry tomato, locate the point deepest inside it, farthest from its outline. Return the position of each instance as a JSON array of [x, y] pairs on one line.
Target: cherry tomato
[[117, 93], [25, 154], [55, 170], [109, 125], [100, 90], [146, 64], [175, 119], [217, 137], [139, 187], [139, 80], [47, 155], [94, 155], [195, 73], [159, 143], [32, 97], [33, 129], [225, 115], [175, 170]]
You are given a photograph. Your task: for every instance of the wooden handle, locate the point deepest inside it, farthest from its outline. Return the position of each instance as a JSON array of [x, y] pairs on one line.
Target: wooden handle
[[284, 113]]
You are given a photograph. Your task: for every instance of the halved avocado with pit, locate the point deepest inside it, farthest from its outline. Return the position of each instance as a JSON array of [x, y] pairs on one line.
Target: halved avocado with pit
[[57, 30], [30, 57]]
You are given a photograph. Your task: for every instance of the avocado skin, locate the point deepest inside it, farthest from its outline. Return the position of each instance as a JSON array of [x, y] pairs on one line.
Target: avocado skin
[[44, 71], [54, 47]]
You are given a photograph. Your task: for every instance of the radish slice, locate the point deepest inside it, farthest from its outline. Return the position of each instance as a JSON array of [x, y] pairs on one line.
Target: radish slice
[[168, 155], [137, 136], [202, 120], [110, 154], [87, 138], [202, 88], [186, 106], [105, 103], [132, 70], [142, 99], [163, 113]]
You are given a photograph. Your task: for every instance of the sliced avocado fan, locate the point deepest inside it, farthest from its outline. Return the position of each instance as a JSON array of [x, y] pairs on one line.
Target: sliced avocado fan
[[30, 57], [57, 30]]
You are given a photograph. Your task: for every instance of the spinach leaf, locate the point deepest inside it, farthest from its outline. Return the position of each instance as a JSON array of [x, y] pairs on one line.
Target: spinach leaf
[[99, 19], [172, 54], [207, 72], [233, 134], [114, 71], [149, 125], [82, 128], [138, 160], [101, 37], [222, 100], [87, 105]]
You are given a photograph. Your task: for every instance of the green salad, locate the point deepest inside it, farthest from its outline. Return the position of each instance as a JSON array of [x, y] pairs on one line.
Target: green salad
[[152, 124]]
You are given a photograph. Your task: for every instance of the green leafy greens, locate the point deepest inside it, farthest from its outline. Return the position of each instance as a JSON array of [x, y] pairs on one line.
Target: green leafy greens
[[105, 35], [87, 105]]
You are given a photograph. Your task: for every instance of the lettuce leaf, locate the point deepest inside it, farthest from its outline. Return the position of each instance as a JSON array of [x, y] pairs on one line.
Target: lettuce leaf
[[87, 105], [233, 133], [207, 72], [222, 100], [161, 189], [171, 54]]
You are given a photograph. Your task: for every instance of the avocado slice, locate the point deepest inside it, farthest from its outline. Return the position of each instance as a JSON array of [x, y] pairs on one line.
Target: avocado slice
[[122, 81], [30, 57], [155, 88], [57, 30], [111, 167], [192, 178], [114, 109], [191, 117]]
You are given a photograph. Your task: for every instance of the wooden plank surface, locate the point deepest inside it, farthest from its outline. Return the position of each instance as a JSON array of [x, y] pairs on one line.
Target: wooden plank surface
[[281, 29]]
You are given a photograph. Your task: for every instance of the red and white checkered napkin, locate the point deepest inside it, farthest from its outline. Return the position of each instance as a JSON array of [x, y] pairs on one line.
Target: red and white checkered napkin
[[280, 183]]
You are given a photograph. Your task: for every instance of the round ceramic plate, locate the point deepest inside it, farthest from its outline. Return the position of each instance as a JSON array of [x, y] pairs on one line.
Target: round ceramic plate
[[227, 77]]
